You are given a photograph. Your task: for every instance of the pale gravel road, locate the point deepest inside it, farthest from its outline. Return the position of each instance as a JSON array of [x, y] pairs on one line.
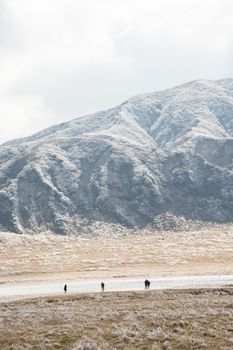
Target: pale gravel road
[[23, 290]]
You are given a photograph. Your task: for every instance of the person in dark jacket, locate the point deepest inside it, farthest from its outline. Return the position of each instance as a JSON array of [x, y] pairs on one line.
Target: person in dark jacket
[[102, 286], [65, 288], [147, 284]]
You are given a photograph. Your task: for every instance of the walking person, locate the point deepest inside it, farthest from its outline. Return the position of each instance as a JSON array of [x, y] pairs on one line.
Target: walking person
[[65, 288], [102, 286], [147, 284]]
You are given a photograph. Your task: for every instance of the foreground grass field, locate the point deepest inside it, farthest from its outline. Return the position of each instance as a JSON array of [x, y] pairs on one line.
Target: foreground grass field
[[172, 319]]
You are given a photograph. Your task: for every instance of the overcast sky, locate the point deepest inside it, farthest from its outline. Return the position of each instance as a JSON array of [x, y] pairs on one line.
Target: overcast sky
[[63, 58]]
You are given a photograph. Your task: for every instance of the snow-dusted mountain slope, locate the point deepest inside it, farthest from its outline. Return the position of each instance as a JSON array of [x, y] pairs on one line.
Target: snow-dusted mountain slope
[[168, 151]]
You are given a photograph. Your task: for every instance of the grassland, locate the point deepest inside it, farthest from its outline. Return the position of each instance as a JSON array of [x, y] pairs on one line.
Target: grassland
[[163, 320], [157, 320], [139, 253]]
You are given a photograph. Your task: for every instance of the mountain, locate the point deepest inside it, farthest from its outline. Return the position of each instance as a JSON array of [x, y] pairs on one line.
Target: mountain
[[163, 153]]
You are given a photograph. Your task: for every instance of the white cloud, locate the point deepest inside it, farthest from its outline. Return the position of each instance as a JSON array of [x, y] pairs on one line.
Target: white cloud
[[62, 58]]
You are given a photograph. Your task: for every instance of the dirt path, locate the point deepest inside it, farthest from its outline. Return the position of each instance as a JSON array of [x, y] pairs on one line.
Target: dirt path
[[24, 290]]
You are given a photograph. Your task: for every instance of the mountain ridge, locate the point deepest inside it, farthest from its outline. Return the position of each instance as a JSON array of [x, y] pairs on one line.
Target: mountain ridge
[[164, 152]]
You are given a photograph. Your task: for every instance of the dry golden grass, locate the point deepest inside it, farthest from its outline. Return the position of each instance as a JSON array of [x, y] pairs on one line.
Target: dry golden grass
[[44, 256], [172, 319]]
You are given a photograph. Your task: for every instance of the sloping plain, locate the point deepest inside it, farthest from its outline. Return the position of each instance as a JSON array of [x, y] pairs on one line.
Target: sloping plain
[[124, 253]]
